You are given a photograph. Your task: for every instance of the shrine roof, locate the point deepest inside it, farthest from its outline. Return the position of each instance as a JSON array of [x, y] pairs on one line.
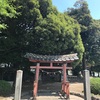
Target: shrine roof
[[52, 58]]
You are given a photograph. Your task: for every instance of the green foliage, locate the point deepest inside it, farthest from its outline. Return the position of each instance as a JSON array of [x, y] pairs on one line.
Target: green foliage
[[6, 10], [96, 68], [95, 85], [57, 34], [82, 14], [5, 88], [39, 29], [45, 5], [90, 31], [94, 43]]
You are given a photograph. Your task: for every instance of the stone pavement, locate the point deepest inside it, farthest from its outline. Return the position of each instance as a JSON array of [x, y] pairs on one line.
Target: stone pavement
[[72, 97], [55, 96], [43, 95]]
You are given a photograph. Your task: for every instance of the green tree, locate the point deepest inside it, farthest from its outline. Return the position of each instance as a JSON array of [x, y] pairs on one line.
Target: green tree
[[41, 30], [56, 33], [94, 43], [81, 13], [90, 31]]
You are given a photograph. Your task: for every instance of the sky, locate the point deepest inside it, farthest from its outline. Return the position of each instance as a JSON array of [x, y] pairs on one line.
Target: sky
[[94, 6]]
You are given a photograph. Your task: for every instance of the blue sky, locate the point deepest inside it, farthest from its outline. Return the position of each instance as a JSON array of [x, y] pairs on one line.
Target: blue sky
[[94, 6]]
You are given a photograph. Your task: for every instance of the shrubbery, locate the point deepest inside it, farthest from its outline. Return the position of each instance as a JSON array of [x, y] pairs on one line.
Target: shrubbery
[[5, 88], [95, 85]]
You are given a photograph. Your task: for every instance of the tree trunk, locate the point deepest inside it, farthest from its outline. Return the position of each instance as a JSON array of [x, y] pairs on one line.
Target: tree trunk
[[93, 74], [98, 74]]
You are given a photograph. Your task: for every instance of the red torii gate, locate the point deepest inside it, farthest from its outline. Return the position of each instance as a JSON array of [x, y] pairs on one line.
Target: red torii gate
[[63, 59]]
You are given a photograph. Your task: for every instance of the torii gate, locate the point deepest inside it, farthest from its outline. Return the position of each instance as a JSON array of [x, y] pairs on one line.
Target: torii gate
[[63, 59]]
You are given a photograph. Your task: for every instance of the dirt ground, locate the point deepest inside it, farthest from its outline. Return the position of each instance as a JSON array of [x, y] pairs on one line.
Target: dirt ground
[[4, 98], [76, 87]]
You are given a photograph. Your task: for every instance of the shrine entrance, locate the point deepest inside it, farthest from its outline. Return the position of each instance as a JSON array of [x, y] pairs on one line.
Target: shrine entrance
[[58, 62], [50, 75]]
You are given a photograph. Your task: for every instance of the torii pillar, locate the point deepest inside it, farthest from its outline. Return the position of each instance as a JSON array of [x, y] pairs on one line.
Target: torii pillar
[[35, 84], [64, 73], [65, 83]]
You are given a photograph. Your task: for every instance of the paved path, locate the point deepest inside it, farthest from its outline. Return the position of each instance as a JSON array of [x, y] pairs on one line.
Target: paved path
[[44, 96], [72, 97], [55, 96]]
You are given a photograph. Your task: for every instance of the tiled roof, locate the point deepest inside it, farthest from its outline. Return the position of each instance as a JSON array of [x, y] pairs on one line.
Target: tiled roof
[[55, 58]]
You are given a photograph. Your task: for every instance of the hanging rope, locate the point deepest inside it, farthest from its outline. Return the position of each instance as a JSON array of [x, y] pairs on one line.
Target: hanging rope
[[51, 72]]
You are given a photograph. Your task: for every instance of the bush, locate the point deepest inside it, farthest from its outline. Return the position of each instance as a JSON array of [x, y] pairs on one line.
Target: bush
[[95, 85], [5, 88]]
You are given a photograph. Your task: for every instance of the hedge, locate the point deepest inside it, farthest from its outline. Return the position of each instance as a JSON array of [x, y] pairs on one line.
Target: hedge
[[95, 85], [5, 88]]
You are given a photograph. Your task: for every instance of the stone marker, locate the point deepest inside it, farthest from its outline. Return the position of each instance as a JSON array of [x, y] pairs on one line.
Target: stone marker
[[18, 85], [87, 93]]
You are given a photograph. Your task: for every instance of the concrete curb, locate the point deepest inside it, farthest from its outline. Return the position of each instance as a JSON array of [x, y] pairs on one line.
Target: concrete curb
[[82, 95], [77, 94]]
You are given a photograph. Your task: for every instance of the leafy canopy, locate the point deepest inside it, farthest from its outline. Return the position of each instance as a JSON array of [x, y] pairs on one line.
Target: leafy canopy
[[6, 10], [39, 29]]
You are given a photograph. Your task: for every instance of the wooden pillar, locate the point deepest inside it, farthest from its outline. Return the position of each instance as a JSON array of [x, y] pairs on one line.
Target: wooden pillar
[[65, 84], [64, 73], [35, 85], [67, 90], [51, 64], [64, 77]]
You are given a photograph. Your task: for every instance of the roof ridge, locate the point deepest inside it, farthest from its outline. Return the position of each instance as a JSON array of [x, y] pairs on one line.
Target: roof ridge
[[67, 57]]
